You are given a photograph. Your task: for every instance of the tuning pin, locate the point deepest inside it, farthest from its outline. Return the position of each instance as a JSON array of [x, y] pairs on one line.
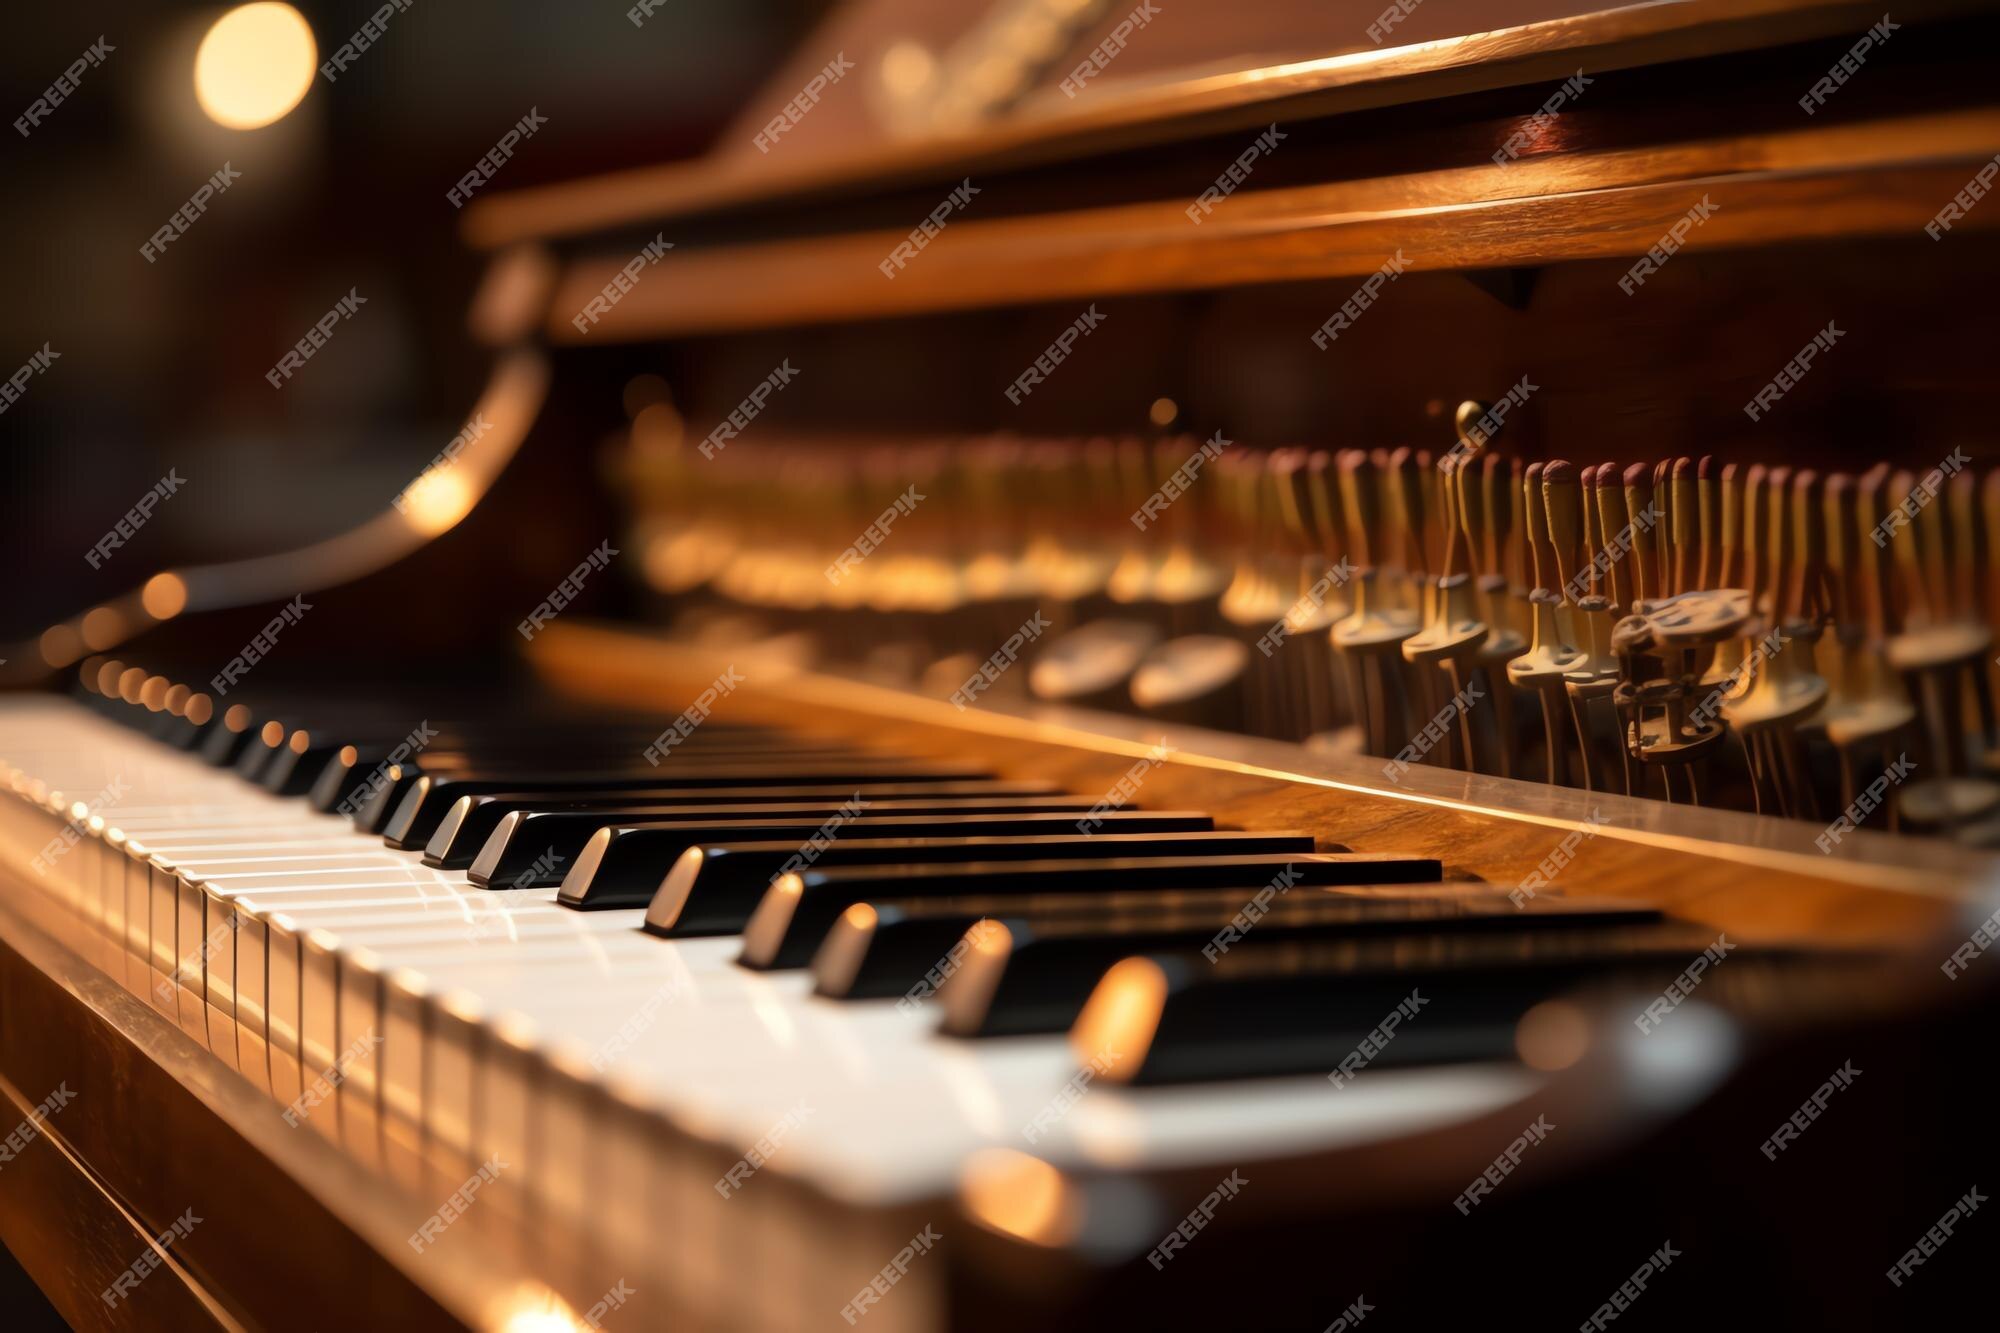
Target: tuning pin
[[1777, 538], [1562, 498], [1491, 509], [1785, 691], [1590, 576], [1357, 500], [1912, 599], [1369, 639], [1549, 655], [1323, 492], [1614, 520], [1708, 489], [1686, 514], [1663, 503], [1573, 503], [1968, 567], [1729, 531], [1434, 522], [1865, 707], [1843, 556], [1754, 539], [1808, 557], [1643, 514], [1406, 509]]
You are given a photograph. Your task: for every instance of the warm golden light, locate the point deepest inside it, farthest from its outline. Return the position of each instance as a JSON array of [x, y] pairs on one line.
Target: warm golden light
[[254, 65], [86, 674], [177, 700], [153, 694], [657, 429], [237, 718], [1017, 1195], [436, 501], [643, 391], [1121, 1016], [102, 627], [107, 677], [164, 597], [537, 1321], [301, 741], [1164, 412], [1553, 1035], [990, 938], [61, 645], [533, 1308], [130, 682], [273, 734], [200, 709]]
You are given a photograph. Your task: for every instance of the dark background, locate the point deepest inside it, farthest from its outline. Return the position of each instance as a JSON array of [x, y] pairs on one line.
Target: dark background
[[162, 365]]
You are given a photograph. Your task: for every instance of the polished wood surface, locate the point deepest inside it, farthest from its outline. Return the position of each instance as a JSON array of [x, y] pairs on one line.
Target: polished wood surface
[[1056, 128], [1819, 182]]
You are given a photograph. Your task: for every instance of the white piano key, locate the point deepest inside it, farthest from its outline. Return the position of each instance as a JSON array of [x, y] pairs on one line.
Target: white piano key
[[619, 1076]]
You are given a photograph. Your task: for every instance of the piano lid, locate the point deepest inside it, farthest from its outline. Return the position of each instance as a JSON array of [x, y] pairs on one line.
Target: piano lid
[[892, 93]]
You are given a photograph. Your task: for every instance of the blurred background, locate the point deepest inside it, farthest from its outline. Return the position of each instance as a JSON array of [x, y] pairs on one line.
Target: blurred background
[[162, 364]]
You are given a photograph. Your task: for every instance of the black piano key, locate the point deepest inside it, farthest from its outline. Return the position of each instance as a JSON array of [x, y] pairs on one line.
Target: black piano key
[[524, 838], [472, 819], [627, 867], [1032, 971], [297, 764], [256, 755], [227, 736], [527, 758], [386, 786], [424, 806], [347, 778], [185, 734], [712, 890], [383, 796], [795, 914], [163, 725], [869, 950], [1306, 1006]]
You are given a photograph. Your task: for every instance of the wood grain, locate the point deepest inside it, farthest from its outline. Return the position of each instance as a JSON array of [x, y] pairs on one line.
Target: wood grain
[[1056, 128], [1882, 178]]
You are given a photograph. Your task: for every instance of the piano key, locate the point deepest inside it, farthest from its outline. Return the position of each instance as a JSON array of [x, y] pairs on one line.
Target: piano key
[[795, 913], [530, 848], [386, 792], [629, 865], [894, 1114], [472, 819], [884, 946], [226, 740], [713, 889], [296, 764], [355, 772], [260, 748], [425, 804], [197, 717], [1264, 1010], [1032, 970]]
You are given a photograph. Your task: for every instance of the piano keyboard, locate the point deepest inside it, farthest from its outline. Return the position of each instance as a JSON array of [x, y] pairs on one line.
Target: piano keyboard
[[793, 958]]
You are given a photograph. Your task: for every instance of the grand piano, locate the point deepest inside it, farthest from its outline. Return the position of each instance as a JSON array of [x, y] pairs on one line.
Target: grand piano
[[1258, 667]]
